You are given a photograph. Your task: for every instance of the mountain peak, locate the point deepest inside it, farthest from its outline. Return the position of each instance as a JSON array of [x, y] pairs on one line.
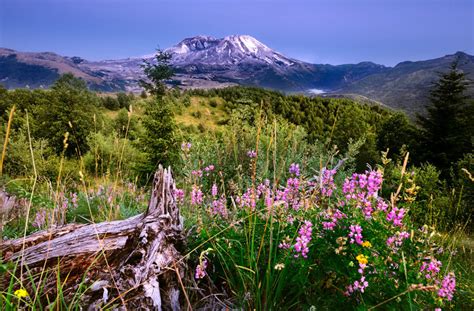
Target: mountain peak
[[233, 49], [247, 43]]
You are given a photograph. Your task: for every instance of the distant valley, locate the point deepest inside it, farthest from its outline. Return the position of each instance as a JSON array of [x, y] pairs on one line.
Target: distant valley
[[207, 62]]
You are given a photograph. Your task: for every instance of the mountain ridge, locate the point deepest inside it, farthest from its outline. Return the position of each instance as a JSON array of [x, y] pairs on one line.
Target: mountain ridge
[[206, 62]]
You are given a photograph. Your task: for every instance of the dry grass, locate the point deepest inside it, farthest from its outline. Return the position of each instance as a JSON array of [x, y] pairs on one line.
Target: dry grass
[[200, 112]]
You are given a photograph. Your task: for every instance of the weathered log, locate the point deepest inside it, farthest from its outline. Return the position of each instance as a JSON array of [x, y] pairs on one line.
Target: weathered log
[[132, 264]]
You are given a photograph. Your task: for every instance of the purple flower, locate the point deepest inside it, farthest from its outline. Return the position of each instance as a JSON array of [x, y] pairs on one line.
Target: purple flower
[[303, 239], [197, 173], [327, 182], [214, 190], [448, 287], [218, 207], [186, 147], [196, 196], [40, 219], [431, 269], [179, 194], [396, 241], [201, 269], [251, 154], [396, 216], [355, 234], [74, 200], [295, 169]]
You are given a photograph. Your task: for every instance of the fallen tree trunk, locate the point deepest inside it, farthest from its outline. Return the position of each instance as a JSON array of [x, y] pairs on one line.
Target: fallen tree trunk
[[131, 264]]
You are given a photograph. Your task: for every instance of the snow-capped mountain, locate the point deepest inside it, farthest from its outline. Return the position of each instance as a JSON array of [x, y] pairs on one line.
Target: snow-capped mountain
[[230, 50]]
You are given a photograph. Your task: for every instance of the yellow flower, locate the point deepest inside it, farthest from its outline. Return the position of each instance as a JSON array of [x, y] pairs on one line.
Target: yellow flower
[[362, 259], [21, 293], [367, 244]]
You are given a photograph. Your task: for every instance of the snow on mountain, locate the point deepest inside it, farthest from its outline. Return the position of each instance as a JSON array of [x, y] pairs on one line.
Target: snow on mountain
[[226, 51]]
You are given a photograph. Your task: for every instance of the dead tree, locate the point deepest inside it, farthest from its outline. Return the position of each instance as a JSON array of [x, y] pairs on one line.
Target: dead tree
[[133, 264]]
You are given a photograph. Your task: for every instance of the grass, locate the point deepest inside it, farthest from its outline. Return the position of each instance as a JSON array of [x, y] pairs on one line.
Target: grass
[[203, 112]]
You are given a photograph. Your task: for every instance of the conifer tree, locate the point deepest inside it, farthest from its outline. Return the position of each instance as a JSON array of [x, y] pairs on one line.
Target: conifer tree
[[447, 127], [159, 141]]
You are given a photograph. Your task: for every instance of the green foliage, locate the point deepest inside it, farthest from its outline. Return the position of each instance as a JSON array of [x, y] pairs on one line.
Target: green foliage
[[71, 109], [157, 72], [397, 134], [159, 141], [111, 154], [448, 127]]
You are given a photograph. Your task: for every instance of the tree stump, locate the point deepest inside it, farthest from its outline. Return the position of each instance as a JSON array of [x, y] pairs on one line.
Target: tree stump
[[133, 264]]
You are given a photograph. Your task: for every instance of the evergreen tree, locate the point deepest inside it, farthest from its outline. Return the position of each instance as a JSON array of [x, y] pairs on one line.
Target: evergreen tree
[[157, 72], [447, 128], [159, 140]]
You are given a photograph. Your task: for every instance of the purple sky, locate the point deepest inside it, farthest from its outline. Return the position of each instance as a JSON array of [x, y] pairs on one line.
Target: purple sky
[[327, 31]]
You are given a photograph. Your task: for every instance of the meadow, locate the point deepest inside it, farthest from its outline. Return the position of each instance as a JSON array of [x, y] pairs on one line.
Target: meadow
[[289, 203]]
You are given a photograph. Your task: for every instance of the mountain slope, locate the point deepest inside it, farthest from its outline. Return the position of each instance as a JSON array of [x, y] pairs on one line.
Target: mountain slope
[[244, 60], [407, 85], [207, 62]]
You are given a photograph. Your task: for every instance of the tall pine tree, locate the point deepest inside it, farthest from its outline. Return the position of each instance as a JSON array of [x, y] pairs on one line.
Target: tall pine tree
[[447, 127], [159, 142]]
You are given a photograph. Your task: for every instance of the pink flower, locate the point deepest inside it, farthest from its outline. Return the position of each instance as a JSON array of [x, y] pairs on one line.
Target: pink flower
[[179, 194], [355, 234], [432, 268], [214, 190], [448, 287], [327, 182], [196, 196], [201, 269], [302, 241], [251, 154], [396, 216]]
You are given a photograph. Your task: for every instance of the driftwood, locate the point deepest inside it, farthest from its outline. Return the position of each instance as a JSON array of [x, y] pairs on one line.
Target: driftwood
[[132, 264]]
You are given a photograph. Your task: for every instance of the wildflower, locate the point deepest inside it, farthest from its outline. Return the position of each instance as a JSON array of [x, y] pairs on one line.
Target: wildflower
[[367, 244], [251, 154], [327, 182], [396, 216], [74, 200], [295, 169], [179, 194], [396, 240], [209, 169], [196, 196], [355, 234], [448, 287], [302, 241], [21, 293], [293, 183], [362, 259], [432, 268], [186, 147], [218, 207], [359, 285], [197, 173], [201, 269], [214, 190], [279, 266], [40, 219]]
